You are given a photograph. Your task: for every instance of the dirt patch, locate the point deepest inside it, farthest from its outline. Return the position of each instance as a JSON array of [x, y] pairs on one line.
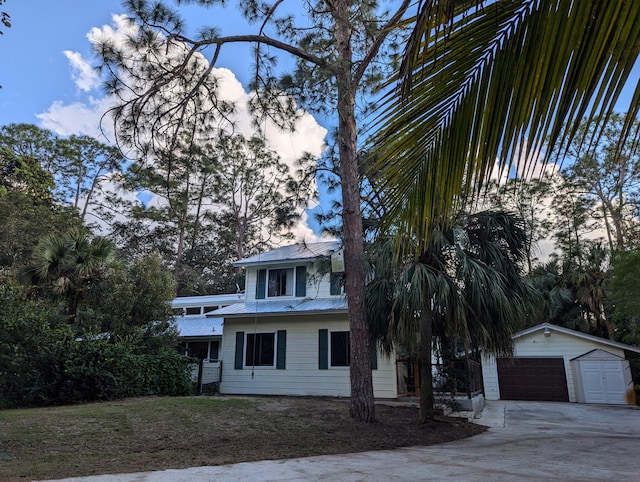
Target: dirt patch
[[162, 433]]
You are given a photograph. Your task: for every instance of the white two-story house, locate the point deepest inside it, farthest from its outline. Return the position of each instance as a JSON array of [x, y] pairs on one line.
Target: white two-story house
[[290, 335]]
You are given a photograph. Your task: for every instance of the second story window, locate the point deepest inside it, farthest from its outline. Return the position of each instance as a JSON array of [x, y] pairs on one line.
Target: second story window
[[280, 282], [276, 282]]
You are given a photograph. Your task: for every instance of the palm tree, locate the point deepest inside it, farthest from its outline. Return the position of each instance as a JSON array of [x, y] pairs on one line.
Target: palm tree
[[69, 264], [465, 286], [497, 81]]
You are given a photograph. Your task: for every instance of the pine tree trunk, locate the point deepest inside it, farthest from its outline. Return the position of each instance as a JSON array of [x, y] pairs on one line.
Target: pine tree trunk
[[362, 404]]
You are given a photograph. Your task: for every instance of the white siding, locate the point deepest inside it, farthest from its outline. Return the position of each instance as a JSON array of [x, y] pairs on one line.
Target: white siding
[[251, 277], [301, 375], [317, 286], [537, 345]]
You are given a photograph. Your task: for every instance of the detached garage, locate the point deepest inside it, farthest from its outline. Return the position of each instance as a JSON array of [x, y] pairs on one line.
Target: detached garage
[[552, 363]]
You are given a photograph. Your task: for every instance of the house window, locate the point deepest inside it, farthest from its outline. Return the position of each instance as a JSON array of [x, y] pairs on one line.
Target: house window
[[260, 349], [193, 310], [280, 282], [201, 349], [340, 349]]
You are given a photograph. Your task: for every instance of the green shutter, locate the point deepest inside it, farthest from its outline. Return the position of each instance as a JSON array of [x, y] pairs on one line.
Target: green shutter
[[239, 349], [374, 357], [261, 285], [336, 281], [282, 350], [323, 349], [301, 281]]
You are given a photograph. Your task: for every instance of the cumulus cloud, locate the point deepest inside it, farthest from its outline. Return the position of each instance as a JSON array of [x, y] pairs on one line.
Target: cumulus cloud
[[87, 115], [82, 117], [85, 77]]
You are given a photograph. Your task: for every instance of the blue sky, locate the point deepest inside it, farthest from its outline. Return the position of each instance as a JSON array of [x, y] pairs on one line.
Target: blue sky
[[46, 55], [35, 71]]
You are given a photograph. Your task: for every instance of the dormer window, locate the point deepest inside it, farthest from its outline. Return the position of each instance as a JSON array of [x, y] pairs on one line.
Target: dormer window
[[280, 282], [277, 282]]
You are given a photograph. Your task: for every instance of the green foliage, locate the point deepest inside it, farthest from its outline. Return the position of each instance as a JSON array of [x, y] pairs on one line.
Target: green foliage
[[133, 305], [24, 174], [70, 265], [625, 283], [100, 370], [70, 170], [23, 222], [469, 280], [215, 196], [35, 341], [42, 362], [624, 288], [464, 290], [45, 360], [527, 200]]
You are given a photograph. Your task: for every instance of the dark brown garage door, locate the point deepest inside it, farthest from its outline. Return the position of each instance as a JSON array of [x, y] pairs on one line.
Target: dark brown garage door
[[540, 379]]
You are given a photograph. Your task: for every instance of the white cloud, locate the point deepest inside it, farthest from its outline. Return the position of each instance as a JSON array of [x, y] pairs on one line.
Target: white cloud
[[78, 118], [85, 77], [86, 116]]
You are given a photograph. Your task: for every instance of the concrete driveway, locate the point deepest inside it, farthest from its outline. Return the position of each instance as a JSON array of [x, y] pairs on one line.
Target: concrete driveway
[[526, 441]]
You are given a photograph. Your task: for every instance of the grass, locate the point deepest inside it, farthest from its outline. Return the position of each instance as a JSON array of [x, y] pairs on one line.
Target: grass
[[145, 434]]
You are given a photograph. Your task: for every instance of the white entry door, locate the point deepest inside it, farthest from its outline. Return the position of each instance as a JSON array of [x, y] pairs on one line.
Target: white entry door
[[603, 381]]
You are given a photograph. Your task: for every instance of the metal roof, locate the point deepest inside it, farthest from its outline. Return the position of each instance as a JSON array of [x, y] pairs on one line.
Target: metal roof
[[199, 326], [305, 305], [294, 252], [207, 300]]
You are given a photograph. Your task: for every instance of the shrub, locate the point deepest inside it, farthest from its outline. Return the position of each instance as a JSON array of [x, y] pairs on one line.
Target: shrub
[[101, 370]]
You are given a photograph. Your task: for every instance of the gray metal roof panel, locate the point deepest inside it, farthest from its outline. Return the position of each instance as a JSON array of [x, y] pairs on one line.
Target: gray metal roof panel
[[305, 305], [293, 252], [199, 326], [207, 300]]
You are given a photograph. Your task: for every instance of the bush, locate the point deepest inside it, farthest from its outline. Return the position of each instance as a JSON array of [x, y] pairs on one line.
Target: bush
[[43, 363], [100, 370], [35, 342]]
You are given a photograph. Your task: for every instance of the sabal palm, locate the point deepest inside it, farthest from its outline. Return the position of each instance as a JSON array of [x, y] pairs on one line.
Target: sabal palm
[[500, 81], [466, 285], [69, 263]]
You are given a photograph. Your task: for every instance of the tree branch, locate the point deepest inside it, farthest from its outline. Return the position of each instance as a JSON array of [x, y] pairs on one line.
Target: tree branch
[[261, 39], [377, 43]]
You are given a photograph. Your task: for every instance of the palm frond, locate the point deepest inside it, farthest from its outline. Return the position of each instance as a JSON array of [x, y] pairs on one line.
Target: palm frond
[[500, 85]]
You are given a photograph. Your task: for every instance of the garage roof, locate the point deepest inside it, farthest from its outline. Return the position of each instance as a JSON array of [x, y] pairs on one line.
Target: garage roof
[[629, 350]]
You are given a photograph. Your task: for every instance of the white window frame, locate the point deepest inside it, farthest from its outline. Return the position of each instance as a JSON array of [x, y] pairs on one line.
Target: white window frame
[[289, 269], [275, 350], [209, 342]]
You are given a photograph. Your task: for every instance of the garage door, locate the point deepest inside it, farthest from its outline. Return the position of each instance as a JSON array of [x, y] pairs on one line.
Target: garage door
[[540, 379]]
